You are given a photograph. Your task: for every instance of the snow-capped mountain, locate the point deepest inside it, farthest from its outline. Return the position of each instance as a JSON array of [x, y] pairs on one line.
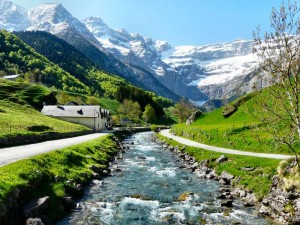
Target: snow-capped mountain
[[140, 52], [54, 18], [132, 49], [214, 66], [218, 63], [13, 17], [181, 68], [195, 72]]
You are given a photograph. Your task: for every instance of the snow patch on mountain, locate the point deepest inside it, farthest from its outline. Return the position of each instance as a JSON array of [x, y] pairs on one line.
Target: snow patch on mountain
[[130, 48], [223, 70], [12, 16], [217, 63], [54, 18]]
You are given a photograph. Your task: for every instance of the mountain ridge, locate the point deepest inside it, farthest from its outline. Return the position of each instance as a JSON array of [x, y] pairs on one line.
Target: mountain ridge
[[194, 72]]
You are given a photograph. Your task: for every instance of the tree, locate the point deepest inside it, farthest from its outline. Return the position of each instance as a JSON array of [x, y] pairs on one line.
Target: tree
[[91, 100], [130, 110], [183, 110], [149, 114], [279, 55], [115, 119]]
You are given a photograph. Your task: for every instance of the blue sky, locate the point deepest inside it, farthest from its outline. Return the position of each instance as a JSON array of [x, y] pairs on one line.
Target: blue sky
[[180, 22]]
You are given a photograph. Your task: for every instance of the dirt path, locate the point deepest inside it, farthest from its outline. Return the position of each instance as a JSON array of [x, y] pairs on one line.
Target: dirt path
[[12, 154], [184, 141]]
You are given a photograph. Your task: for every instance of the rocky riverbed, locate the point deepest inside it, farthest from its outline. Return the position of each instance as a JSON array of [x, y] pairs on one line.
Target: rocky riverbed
[[149, 185]]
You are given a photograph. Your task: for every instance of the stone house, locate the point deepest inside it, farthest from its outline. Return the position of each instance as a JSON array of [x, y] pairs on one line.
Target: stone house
[[91, 116]]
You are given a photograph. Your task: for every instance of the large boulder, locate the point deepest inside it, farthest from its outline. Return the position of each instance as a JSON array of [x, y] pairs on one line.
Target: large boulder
[[222, 159], [193, 117], [34, 221], [225, 178], [36, 207], [229, 110]]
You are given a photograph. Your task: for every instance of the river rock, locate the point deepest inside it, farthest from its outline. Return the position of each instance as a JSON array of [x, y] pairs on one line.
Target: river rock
[[247, 203], [204, 163], [239, 193], [227, 203], [95, 169], [193, 117], [225, 178], [36, 207], [68, 203], [34, 221], [96, 175], [200, 173], [212, 175], [281, 205], [106, 172], [141, 157], [222, 159]]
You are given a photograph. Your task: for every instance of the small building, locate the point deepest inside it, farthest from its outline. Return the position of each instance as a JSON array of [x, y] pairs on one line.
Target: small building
[[11, 77], [125, 122], [91, 116]]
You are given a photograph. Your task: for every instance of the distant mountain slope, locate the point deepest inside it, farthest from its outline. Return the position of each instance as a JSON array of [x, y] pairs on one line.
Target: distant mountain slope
[[199, 73], [13, 17], [17, 57], [54, 18], [99, 82], [141, 53], [196, 72]]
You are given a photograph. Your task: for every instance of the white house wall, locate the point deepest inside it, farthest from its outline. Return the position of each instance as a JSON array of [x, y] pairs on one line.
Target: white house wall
[[92, 123]]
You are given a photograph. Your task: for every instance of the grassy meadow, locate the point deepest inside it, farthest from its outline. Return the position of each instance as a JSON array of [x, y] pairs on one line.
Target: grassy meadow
[[20, 105], [244, 130]]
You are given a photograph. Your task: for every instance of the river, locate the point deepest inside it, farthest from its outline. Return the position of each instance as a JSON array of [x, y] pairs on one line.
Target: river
[[146, 190]]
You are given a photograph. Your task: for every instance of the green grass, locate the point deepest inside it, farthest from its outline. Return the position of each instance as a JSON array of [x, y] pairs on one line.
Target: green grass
[[242, 130], [18, 116], [259, 180], [35, 177], [111, 105]]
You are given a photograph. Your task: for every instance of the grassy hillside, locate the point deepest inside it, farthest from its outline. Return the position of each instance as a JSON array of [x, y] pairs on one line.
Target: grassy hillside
[[18, 58], [242, 130], [73, 61], [19, 115]]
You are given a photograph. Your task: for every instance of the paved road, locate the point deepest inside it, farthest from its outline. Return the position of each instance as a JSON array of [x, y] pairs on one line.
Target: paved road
[[12, 154], [184, 141]]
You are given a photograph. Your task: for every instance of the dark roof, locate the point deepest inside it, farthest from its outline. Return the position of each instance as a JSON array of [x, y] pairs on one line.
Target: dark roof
[[71, 103], [83, 111]]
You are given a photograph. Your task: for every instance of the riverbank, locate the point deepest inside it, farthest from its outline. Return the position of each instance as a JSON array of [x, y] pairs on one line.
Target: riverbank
[[256, 181], [45, 186]]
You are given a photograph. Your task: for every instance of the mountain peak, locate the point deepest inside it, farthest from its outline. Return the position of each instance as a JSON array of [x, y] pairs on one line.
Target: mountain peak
[[50, 12], [12, 16], [97, 26]]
